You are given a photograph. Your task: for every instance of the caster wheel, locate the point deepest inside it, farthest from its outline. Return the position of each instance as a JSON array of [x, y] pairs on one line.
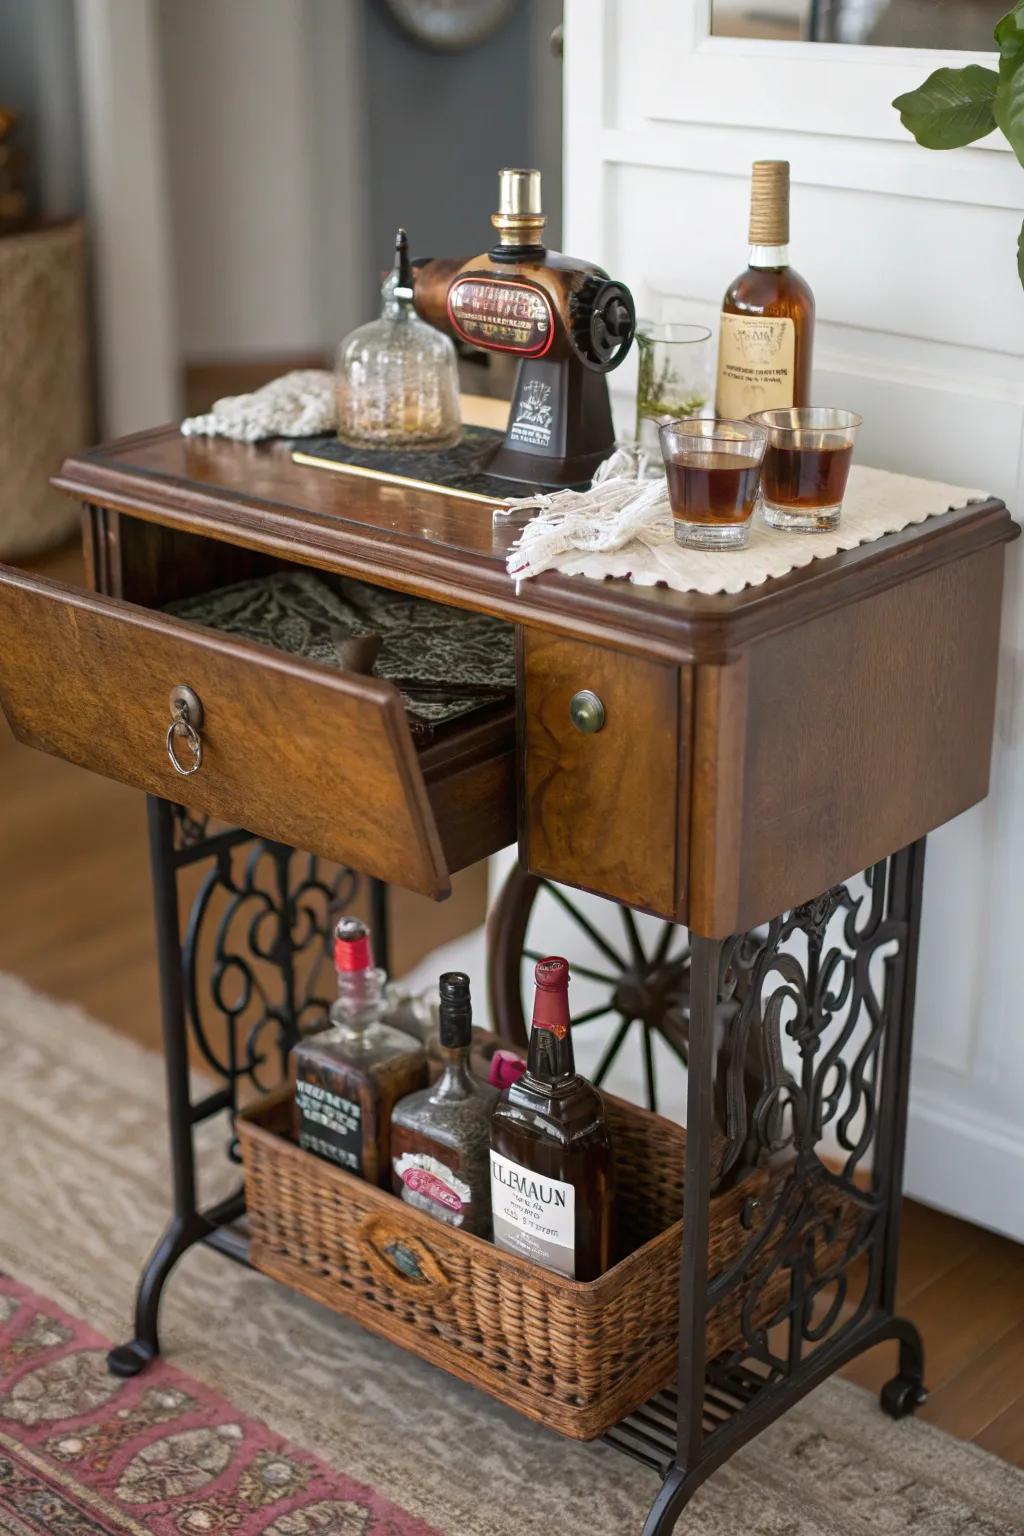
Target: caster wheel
[[130, 1359], [902, 1396]]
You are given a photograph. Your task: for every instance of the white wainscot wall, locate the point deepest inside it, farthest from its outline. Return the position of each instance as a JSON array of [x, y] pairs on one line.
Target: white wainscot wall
[[911, 255]]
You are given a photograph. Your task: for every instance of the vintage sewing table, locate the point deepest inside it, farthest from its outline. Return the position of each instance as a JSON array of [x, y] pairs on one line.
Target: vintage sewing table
[[745, 759]]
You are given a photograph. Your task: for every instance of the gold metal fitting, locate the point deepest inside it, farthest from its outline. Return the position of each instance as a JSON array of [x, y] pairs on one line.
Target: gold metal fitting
[[519, 220]]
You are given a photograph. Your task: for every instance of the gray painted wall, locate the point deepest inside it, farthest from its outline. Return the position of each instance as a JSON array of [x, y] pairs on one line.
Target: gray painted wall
[[440, 126]]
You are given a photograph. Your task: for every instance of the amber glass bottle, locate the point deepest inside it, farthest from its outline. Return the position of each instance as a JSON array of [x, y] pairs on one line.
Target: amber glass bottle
[[551, 1166], [767, 326], [349, 1077], [440, 1135]]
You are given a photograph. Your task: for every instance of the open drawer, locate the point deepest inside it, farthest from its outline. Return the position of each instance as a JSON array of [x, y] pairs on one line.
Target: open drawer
[[289, 748]]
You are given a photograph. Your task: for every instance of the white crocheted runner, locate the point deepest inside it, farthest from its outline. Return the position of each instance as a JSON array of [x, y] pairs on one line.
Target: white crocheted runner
[[622, 526], [298, 404]]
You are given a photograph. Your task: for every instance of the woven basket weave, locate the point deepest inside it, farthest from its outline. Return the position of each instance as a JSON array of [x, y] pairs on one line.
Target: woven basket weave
[[576, 1357], [44, 387]]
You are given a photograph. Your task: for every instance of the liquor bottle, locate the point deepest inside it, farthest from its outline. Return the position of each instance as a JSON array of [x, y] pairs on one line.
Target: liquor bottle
[[767, 325], [440, 1136], [551, 1167], [349, 1077]]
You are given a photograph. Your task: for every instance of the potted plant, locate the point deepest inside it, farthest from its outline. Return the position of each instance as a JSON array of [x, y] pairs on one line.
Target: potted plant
[[955, 107]]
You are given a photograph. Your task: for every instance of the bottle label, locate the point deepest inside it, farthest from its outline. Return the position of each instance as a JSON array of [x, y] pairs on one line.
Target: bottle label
[[497, 313], [330, 1125], [432, 1186], [756, 365], [534, 1216]]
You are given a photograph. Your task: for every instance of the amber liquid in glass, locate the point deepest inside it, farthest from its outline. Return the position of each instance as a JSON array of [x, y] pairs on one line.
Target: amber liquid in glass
[[551, 1163], [806, 478], [712, 487]]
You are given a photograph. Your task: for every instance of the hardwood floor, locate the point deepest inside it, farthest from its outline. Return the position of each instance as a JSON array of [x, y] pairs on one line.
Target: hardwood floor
[[75, 922], [964, 1288]]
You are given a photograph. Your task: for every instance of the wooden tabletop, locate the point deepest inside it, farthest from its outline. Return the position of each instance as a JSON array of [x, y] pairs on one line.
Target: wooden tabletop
[[451, 550]]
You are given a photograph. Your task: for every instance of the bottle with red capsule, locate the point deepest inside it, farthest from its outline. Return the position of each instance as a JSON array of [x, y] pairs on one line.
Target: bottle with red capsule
[[349, 1077], [551, 1164]]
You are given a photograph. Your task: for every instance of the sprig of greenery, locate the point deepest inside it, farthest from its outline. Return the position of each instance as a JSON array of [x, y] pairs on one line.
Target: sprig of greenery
[[955, 107], [657, 393]]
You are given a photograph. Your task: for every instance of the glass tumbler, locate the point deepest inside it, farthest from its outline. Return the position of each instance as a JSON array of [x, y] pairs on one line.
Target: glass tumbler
[[713, 469], [806, 466], [673, 377]]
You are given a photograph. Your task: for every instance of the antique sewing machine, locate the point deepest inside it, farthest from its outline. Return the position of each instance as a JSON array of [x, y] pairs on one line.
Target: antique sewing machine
[[567, 321]]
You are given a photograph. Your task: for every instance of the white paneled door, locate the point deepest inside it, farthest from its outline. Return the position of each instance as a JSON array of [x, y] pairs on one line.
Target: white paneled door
[[911, 255]]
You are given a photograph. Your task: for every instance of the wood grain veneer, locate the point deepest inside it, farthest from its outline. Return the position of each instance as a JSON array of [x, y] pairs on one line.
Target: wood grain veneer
[[830, 746], [760, 745], [292, 750], [603, 811], [450, 550]]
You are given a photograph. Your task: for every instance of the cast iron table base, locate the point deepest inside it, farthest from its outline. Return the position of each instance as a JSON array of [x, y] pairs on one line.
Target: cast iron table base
[[834, 978]]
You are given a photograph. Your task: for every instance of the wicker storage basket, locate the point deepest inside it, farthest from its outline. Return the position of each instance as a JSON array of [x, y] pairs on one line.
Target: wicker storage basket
[[44, 382], [576, 1357]]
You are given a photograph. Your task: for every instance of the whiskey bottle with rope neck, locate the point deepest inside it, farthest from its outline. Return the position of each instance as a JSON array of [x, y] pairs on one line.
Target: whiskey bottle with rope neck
[[766, 338]]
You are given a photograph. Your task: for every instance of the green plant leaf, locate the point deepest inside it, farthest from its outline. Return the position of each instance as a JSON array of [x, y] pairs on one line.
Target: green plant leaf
[[1009, 35], [952, 108], [1009, 109]]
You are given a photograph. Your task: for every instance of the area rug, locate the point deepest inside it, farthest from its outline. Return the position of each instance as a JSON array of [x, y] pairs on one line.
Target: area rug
[[85, 1454], [83, 1194]]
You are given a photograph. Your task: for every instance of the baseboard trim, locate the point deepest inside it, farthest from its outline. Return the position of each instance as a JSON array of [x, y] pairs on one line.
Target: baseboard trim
[[971, 1169]]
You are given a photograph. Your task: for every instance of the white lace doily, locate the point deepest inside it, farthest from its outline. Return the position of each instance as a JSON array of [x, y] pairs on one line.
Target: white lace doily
[[298, 404], [622, 526]]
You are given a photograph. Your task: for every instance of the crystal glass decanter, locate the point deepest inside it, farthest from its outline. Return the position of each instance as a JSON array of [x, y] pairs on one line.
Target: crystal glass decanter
[[396, 380]]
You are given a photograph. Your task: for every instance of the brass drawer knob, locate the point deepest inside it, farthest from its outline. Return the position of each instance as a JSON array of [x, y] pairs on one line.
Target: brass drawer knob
[[186, 718], [586, 711]]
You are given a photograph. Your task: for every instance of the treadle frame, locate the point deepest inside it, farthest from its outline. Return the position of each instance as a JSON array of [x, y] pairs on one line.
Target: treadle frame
[[849, 988], [176, 842]]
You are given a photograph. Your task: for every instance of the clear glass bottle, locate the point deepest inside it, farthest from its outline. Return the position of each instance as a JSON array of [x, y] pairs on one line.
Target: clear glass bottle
[[349, 1077], [396, 380], [551, 1164], [440, 1137], [766, 340]]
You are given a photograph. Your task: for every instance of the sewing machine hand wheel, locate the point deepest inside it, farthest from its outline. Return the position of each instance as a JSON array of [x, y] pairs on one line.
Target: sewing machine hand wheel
[[606, 323]]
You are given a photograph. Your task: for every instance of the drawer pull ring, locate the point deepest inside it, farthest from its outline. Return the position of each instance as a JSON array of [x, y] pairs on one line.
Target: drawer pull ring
[[586, 711], [186, 714]]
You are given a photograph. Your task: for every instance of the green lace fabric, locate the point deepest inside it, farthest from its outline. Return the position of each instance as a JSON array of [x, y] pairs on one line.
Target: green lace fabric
[[428, 650]]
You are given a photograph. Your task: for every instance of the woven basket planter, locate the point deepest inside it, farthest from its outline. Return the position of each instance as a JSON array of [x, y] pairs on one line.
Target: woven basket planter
[[44, 389], [576, 1357]]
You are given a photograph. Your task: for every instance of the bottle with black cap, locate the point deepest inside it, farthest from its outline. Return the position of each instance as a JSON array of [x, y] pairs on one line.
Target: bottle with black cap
[[440, 1137]]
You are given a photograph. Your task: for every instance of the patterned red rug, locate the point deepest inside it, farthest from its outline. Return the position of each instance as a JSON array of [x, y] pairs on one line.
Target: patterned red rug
[[83, 1453]]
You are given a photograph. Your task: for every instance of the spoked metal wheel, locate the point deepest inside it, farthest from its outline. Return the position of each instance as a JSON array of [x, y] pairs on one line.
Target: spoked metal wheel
[[637, 971]]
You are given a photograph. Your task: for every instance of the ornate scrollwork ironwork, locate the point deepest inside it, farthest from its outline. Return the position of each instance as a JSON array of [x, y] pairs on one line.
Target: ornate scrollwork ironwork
[[801, 1028], [256, 950], [189, 827]]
